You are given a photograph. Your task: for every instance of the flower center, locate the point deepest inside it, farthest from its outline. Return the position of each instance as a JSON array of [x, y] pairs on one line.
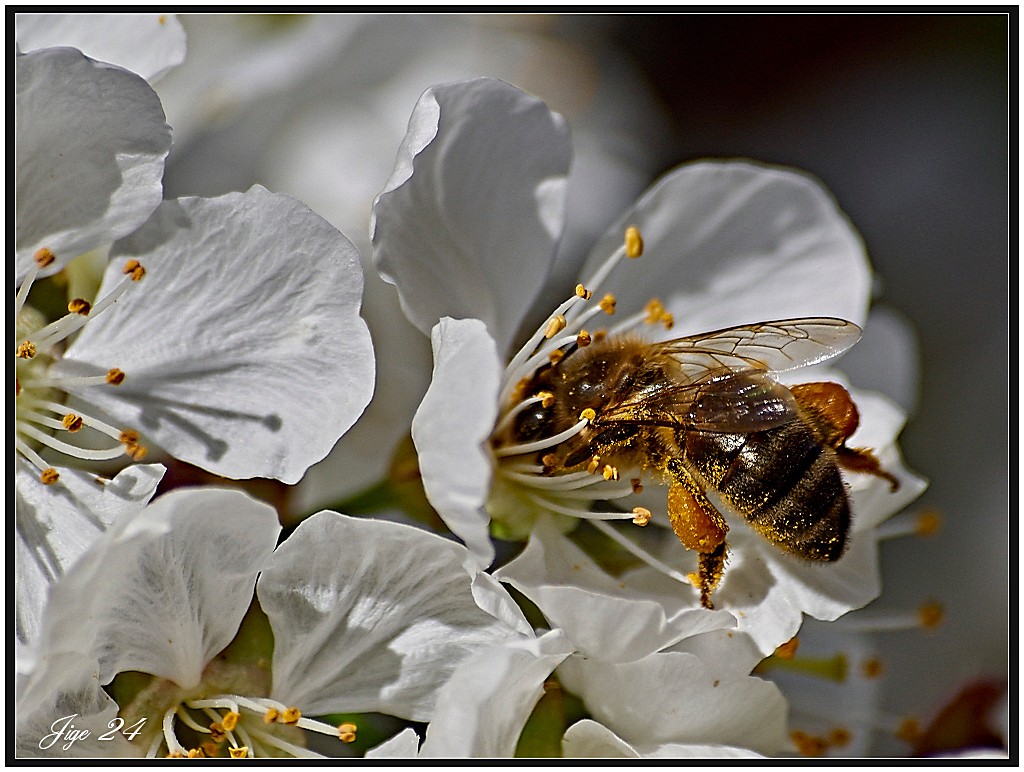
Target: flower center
[[43, 424]]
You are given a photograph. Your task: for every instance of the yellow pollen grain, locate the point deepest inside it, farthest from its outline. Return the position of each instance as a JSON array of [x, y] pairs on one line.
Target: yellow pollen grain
[[347, 732], [583, 292], [554, 327], [583, 339], [135, 269], [788, 649], [26, 350], [634, 242], [549, 460], [72, 422], [230, 720], [638, 487], [929, 522], [607, 304], [270, 716], [241, 752], [871, 668], [43, 257], [930, 615], [556, 356], [547, 399], [291, 716], [595, 462], [641, 516], [49, 476], [588, 414], [115, 377], [694, 578], [610, 472]]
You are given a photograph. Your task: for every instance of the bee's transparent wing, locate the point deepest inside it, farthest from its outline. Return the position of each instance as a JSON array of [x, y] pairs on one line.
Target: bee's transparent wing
[[778, 346]]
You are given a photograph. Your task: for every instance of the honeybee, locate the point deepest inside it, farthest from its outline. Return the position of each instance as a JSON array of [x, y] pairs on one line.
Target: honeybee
[[705, 413]]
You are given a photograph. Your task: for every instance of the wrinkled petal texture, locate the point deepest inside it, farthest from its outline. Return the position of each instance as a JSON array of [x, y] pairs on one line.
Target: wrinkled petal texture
[[370, 616], [603, 617], [91, 140], [469, 222], [54, 524], [148, 44], [482, 710], [243, 346], [729, 243], [675, 697], [164, 591], [453, 421]]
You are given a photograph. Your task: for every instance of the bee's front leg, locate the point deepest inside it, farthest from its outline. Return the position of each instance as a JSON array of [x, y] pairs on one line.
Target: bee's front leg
[[700, 527]]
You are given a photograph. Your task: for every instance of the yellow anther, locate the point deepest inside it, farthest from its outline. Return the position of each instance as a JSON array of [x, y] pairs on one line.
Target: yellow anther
[[607, 304], [270, 716], [909, 730], [930, 615], [583, 292], [871, 668], [694, 578], [49, 476], [217, 732], [554, 327], [175, 755], [135, 452], [610, 472], [210, 748], [520, 390], [654, 310], [241, 752], [135, 269], [230, 720], [588, 414], [72, 422], [929, 522], [593, 465], [547, 399], [668, 320], [80, 306], [808, 744], [347, 732], [196, 753], [641, 516], [556, 356], [638, 487], [291, 716], [788, 649], [839, 737], [26, 350], [600, 335], [583, 339], [634, 242], [128, 437], [43, 257], [115, 377], [549, 460]]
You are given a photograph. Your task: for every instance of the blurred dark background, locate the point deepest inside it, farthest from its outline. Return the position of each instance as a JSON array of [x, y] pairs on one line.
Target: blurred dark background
[[905, 118]]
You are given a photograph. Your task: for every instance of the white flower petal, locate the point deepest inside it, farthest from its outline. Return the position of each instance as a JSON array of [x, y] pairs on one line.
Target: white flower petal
[[243, 346], [54, 524], [453, 421], [404, 745], [370, 616], [481, 711], [730, 242], [604, 618], [164, 591], [89, 156], [673, 697], [469, 222], [589, 739], [63, 696], [148, 44]]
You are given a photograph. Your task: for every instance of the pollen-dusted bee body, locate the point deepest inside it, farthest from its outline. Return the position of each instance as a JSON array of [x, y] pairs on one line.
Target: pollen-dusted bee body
[[705, 414]]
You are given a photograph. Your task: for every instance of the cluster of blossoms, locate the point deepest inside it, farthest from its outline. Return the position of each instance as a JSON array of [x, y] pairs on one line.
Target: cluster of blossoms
[[226, 333]]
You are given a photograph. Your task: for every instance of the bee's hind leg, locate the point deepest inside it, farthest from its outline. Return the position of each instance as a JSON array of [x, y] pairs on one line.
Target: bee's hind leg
[[700, 527], [833, 413]]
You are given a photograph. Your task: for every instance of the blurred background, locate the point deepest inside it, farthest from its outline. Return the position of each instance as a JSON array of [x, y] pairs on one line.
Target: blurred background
[[903, 117]]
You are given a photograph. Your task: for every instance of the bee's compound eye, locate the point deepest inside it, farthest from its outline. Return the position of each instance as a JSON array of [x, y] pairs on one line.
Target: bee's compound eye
[[533, 423]]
